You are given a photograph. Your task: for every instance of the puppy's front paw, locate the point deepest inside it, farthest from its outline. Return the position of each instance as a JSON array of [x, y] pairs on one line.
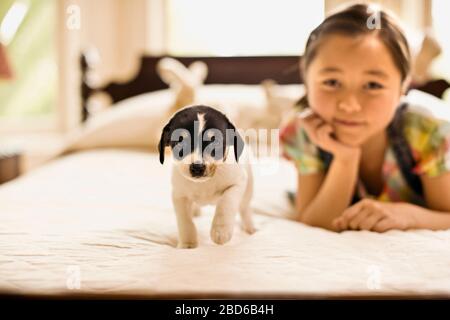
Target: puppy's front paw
[[248, 227], [187, 245], [221, 234]]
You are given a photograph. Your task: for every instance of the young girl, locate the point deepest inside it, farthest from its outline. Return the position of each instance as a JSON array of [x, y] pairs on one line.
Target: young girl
[[365, 160]]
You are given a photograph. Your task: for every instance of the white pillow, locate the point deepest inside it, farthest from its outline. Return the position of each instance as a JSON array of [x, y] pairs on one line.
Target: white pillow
[[428, 105], [134, 122], [137, 122]]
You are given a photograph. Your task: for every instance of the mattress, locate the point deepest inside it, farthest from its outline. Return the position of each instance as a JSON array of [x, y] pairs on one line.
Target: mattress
[[100, 222]]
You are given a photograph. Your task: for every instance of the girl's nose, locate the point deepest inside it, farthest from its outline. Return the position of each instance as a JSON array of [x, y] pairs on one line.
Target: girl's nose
[[349, 104]]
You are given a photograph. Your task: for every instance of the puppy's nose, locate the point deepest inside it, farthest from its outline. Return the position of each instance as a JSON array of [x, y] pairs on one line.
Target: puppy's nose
[[197, 169]]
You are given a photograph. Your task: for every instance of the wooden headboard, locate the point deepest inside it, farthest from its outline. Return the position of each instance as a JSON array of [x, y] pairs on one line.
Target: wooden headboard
[[221, 70]]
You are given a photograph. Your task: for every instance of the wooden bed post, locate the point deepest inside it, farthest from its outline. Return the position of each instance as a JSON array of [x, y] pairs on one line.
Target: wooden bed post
[[85, 89], [89, 58]]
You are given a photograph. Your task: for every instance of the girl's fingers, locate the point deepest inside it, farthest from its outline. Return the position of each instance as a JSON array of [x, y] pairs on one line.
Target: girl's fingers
[[324, 135], [342, 225], [308, 117], [319, 132], [308, 112], [350, 212], [364, 215], [355, 222], [346, 217], [371, 220], [312, 122], [317, 129], [316, 123], [337, 224], [383, 225], [324, 131]]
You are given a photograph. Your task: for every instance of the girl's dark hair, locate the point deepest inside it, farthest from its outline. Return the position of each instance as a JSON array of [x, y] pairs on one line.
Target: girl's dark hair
[[361, 19]]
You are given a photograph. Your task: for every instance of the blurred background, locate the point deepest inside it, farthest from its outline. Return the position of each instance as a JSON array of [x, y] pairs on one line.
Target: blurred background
[[41, 42]]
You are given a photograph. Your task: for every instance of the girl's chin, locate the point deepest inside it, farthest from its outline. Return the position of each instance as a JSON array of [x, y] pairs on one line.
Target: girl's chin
[[352, 140]]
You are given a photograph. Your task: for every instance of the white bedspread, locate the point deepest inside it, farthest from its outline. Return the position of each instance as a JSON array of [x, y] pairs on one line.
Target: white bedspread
[[104, 217]]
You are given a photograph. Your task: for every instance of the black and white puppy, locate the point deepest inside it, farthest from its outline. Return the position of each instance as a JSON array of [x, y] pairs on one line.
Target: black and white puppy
[[200, 138]]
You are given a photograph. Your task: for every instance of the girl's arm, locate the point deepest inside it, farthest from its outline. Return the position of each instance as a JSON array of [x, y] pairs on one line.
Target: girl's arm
[[427, 218], [436, 191], [318, 206], [307, 188], [334, 195]]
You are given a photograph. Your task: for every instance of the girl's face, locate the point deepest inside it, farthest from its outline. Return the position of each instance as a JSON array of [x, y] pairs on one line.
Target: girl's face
[[354, 85]]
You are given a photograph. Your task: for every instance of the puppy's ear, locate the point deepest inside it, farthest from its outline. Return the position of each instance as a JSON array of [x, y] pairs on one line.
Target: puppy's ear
[[163, 141], [235, 140]]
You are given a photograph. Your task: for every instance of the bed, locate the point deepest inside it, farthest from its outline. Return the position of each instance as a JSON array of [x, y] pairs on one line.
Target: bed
[[97, 221]]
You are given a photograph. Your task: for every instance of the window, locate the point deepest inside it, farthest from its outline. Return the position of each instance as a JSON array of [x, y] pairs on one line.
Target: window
[[440, 11], [27, 30], [236, 27]]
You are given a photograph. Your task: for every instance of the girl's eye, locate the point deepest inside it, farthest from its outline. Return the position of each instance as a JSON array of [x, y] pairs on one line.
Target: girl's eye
[[372, 85], [333, 83]]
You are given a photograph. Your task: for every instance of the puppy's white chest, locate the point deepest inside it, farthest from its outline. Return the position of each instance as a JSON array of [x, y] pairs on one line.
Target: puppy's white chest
[[207, 192], [203, 193], [204, 198]]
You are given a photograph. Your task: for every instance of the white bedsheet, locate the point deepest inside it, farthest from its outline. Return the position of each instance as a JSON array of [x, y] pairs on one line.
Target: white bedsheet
[[105, 217]]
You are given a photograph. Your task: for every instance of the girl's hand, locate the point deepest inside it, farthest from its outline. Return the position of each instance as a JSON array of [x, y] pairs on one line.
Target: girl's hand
[[373, 215], [321, 134]]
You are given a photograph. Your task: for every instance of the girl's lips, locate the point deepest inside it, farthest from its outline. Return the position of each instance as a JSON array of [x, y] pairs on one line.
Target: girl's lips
[[349, 123]]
